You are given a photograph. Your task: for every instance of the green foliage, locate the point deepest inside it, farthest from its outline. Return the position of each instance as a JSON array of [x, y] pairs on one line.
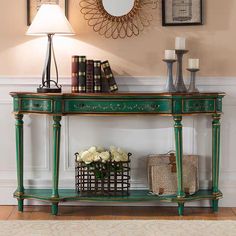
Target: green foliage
[[103, 170]]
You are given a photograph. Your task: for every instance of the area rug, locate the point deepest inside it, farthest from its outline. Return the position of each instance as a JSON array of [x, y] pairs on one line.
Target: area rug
[[118, 228]]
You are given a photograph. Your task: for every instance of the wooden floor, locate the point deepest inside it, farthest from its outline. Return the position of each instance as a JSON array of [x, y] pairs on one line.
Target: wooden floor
[[114, 213]]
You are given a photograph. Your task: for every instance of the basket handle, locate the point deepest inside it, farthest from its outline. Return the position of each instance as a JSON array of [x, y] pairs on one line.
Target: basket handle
[[170, 152], [76, 155]]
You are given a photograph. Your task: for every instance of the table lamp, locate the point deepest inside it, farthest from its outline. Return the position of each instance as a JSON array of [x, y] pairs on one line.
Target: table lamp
[[50, 20]]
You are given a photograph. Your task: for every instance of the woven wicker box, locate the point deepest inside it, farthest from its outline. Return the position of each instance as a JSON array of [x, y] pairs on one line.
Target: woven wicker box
[[162, 177]]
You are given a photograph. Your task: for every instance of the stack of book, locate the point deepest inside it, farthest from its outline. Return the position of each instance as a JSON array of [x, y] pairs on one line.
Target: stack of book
[[89, 76]]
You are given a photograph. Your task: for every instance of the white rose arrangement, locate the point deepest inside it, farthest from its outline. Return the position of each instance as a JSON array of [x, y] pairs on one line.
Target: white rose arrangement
[[102, 162], [99, 154]]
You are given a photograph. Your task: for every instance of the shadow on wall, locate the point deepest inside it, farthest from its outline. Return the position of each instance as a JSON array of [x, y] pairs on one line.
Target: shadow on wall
[[145, 52]]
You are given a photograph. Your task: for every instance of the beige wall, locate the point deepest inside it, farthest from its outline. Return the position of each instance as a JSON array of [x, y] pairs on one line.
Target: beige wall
[[214, 43]]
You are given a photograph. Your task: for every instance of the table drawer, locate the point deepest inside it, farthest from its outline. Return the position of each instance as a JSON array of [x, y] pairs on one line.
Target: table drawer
[[118, 106], [37, 105], [198, 105]]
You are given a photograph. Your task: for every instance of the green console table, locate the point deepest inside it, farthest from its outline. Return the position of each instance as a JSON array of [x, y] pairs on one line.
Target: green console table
[[176, 105]]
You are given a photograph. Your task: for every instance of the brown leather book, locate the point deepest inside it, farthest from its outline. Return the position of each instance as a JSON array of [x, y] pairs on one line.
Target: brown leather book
[[109, 76], [104, 84], [89, 76], [97, 76], [74, 74], [78, 77], [82, 74]]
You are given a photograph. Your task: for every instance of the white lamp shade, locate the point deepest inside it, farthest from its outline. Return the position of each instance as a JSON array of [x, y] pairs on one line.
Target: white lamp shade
[[50, 19]]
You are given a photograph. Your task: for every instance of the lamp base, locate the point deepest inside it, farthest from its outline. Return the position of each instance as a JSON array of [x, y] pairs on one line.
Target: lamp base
[[48, 90], [48, 85]]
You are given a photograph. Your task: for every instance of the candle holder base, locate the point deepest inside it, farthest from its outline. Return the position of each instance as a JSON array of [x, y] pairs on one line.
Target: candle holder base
[[170, 88], [179, 83], [192, 86]]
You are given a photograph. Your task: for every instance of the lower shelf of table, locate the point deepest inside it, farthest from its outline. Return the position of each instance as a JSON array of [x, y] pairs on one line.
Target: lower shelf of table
[[66, 195]]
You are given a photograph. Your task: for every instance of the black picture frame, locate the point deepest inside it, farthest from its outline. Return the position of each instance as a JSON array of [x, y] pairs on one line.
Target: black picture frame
[[29, 17], [182, 23]]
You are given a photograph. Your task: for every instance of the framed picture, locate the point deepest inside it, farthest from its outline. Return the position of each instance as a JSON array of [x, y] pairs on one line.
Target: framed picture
[[34, 5], [182, 12]]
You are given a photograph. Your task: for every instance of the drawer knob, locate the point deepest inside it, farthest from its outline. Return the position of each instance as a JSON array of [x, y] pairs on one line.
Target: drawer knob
[[80, 105], [37, 105], [155, 106]]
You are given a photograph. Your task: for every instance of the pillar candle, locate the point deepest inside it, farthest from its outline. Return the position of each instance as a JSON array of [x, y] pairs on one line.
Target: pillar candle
[[170, 55], [180, 43], [193, 63]]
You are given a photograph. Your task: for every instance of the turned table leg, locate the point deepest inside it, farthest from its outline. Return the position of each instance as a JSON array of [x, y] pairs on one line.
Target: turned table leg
[[179, 167], [215, 158], [19, 125], [56, 161]]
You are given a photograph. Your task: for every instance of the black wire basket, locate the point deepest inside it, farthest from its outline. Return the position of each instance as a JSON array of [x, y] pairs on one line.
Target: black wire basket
[[102, 179]]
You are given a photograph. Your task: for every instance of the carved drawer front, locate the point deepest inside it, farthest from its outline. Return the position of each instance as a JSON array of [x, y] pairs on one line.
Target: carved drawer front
[[198, 105], [119, 106], [36, 105]]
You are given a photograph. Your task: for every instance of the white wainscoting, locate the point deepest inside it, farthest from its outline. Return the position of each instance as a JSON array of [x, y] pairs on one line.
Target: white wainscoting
[[139, 135]]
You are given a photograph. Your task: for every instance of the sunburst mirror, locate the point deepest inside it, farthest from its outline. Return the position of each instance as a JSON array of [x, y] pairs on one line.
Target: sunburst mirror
[[118, 18]]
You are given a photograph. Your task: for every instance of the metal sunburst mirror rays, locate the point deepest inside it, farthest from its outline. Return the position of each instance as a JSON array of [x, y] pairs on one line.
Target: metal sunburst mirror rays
[[110, 26]]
